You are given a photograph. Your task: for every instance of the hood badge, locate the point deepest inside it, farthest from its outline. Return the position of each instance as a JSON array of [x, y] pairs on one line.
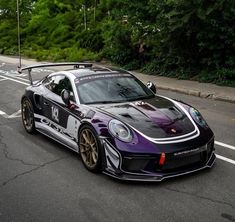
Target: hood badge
[[173, 130]]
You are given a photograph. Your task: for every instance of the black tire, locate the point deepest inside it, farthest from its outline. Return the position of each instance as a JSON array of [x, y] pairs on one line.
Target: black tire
[[91, 155], [27, 115]]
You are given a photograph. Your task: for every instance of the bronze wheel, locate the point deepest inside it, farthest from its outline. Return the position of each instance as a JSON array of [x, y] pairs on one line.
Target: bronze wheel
[[89, 149], [27, 116]]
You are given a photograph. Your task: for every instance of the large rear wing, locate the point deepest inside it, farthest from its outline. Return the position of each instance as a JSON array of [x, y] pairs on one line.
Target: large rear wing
[[75, 65]]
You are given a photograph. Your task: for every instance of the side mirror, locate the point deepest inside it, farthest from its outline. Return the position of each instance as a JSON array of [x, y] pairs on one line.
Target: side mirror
[[65, 95], [151, 86]]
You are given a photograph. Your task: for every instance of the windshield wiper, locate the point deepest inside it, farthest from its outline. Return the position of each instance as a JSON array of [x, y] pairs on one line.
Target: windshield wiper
[[121, 101], [141, 97], [103, 102]]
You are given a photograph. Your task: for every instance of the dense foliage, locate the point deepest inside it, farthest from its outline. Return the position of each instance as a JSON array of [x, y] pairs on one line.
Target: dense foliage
[[180, 38]]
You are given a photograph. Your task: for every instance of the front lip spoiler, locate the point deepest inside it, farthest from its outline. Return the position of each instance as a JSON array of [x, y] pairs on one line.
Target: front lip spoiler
[[158, 177]]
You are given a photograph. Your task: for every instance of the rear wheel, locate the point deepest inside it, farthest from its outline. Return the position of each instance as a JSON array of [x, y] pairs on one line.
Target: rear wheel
[[90, 149], [28, 116]]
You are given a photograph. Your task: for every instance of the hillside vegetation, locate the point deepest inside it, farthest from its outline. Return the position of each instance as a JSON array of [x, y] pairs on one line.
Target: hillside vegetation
[[185, 39]]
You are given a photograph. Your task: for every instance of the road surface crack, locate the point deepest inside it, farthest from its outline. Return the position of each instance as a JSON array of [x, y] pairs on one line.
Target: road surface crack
[[201, 197], [30, 171], [7, 155]]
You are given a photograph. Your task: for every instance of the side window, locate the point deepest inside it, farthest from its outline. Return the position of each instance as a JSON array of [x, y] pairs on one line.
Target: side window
[[49, 83], [56, 84]]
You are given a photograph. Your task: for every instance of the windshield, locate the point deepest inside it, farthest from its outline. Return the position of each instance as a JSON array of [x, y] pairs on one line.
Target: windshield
[[111, 88]]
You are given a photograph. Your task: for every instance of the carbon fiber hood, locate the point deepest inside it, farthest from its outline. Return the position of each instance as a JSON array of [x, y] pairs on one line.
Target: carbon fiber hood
[[156, 117]]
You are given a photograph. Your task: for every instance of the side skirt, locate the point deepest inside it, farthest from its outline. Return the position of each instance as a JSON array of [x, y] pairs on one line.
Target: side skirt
[[54, 135]]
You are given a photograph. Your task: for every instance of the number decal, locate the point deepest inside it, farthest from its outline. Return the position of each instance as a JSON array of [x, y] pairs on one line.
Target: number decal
[[55, 113]]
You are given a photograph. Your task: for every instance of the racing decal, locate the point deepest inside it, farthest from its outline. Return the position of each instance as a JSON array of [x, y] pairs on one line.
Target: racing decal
[[112, 157], [186, 152], [99, 76], [48, 131], [72, 127], [138, 103], [55, 113], [56, 127]]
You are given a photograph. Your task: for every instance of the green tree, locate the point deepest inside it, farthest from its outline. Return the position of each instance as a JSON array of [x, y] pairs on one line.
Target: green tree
[[167, 37]]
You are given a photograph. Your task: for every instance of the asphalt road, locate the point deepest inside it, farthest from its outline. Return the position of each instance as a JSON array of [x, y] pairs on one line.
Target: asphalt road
[[40, 180]]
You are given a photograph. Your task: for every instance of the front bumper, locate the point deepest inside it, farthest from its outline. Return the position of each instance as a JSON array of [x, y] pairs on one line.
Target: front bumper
[[157, 177], [115, 167]]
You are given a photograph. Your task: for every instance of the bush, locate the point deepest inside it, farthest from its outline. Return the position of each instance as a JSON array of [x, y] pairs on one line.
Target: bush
[[221, 76], [117, 43], [56, 54], [90, 39]]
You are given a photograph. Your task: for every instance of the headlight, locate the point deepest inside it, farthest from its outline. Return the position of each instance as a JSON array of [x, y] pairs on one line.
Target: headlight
[[119, 130], [198, 117]]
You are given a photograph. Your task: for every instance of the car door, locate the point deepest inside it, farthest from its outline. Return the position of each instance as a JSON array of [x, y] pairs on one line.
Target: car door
[[62, 123]]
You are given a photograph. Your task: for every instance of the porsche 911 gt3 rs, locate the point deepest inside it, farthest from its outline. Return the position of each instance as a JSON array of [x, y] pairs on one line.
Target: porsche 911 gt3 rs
[[118, 125]]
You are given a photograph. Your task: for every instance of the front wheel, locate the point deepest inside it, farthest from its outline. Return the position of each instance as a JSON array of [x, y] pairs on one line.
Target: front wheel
[[28, 116], [90, 149]]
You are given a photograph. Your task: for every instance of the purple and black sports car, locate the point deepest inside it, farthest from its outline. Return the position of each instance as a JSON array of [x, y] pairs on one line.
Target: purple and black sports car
[[120, 126]]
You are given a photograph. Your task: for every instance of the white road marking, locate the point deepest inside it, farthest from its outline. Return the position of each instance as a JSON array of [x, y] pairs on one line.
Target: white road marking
[[15, 115], [225, 159], [14, 80], [8, 72], [17, 77], [3, 114], [225, 145], [22, 74], [2, 80]]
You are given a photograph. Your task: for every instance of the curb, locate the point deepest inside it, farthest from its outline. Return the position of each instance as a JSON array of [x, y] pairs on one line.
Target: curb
[[199, 94], [192, 92]]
